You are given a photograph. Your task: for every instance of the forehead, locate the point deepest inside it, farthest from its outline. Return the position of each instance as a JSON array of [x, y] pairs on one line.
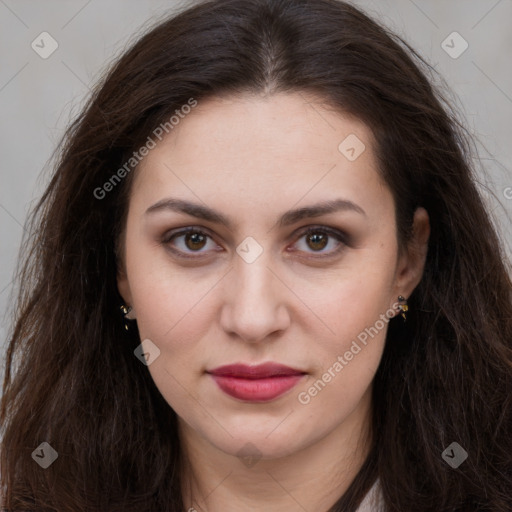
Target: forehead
[[262, 150], [287, 125]]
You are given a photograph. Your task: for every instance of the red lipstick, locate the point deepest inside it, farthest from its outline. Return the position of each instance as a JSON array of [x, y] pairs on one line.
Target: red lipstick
[[260, 383]]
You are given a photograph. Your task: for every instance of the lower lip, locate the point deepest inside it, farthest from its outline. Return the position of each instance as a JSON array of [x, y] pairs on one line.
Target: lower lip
[[256, 390]]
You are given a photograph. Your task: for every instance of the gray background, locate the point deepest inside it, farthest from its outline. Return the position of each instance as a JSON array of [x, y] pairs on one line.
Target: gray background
[[39, 97]]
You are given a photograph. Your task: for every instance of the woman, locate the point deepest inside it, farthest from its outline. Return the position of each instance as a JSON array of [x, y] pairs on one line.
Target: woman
[[317, 309]]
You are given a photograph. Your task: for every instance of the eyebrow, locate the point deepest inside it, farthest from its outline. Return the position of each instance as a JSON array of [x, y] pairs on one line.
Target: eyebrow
[[286, 219]]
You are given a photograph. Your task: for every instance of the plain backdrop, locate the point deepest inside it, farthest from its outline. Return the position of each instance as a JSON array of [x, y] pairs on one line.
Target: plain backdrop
[[40, 96]]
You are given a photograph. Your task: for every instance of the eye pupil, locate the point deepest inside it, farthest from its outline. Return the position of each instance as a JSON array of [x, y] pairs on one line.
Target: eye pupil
[[195, 238], [316, 238]]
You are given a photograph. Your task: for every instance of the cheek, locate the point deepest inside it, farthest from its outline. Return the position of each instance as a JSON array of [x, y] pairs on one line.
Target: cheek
[[164, 295], [354, 298], [346, 360], [350, 355], [356, 313], [356, 307], [177, 315]]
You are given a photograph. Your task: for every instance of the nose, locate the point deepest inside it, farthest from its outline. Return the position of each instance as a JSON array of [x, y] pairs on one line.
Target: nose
[[255, 305]]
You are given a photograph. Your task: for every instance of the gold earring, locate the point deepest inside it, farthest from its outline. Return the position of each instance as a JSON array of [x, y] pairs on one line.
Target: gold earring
[[126, 311], [403, 307]]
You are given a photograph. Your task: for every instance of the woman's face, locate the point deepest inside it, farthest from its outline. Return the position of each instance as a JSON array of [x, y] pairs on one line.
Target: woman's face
[[257, 288]]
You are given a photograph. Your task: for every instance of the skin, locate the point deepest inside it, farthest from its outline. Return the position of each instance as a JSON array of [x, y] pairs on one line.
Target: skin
[[252, 158]]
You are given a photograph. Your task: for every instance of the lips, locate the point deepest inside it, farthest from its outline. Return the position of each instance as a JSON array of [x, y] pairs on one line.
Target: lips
[[260, 371], [260, 383]]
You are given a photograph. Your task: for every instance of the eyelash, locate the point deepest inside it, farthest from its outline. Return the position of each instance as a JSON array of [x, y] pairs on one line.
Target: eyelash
[[338, 235]]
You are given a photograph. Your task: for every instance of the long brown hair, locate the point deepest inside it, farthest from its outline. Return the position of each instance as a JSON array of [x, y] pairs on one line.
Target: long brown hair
[[72, 379]]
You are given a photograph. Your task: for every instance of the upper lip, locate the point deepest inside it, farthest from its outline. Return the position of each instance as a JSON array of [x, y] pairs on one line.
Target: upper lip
[[259, 371]]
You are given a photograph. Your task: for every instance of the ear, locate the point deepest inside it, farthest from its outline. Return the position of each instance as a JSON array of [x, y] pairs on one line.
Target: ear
[[124, 290], [123, 285], [411, 263]]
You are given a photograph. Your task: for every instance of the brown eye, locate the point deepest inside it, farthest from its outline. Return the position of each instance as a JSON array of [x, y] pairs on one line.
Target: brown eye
[[318, 238], [188, 241], [195, 241], [317, 241]]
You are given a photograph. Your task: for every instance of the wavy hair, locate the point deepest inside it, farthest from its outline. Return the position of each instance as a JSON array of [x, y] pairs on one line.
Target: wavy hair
[[71, 376]]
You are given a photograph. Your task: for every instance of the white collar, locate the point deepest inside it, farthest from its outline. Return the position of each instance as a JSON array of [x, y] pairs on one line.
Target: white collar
[[372, 502]]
